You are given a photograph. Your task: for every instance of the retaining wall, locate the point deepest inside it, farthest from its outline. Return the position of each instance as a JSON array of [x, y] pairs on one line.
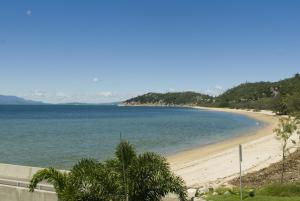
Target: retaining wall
[[10, 193], [14, 180]]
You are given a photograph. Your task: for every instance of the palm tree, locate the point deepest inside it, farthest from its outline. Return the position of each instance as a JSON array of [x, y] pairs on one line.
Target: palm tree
[[147, 176], [150, 179], [88, 180], [129, 177], [125, 154]]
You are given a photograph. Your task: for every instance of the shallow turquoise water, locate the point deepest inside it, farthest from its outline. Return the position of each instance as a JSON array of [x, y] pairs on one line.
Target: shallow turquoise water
[[59, 135]]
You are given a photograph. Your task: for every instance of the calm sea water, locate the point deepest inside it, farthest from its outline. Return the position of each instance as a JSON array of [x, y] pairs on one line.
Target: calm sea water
[[59, 135]]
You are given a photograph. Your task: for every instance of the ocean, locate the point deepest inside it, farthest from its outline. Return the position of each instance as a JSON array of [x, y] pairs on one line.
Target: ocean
[[60, 135]]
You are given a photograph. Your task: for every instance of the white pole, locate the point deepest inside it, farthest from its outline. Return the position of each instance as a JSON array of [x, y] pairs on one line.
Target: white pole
[[241, 159]]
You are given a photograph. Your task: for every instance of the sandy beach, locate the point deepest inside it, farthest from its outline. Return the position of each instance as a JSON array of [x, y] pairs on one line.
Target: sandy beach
[[215, 164]]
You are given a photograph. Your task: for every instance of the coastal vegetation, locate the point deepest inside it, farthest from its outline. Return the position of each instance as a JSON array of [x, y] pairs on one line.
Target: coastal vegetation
[[129, 176], [272, 174], [282, 97], [273, 192], [286, 128]]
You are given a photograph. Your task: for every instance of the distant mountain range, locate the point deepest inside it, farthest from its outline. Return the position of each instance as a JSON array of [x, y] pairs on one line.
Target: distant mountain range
[[14, 100], [283, 97]]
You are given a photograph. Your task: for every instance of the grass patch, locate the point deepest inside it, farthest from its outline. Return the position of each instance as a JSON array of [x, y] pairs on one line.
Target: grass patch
[[274, 192], [286, 190]]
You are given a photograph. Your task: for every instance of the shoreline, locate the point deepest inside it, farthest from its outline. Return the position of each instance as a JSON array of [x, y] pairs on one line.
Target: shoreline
[[215, 164], [269, 122]]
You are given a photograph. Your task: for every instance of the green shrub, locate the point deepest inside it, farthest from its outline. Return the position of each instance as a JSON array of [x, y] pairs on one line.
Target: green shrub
[[251, 193]]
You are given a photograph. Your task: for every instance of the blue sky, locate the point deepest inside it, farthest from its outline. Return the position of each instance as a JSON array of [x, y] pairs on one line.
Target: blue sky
[[103, 51]]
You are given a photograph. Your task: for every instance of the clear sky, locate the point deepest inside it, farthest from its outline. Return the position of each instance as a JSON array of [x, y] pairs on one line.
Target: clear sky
[[103, 51]]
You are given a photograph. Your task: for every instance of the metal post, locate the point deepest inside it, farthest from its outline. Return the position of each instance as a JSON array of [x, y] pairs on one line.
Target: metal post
[[241, 159]]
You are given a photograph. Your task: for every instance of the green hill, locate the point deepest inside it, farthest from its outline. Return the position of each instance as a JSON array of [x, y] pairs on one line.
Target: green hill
[[282, 97], [174, 98]]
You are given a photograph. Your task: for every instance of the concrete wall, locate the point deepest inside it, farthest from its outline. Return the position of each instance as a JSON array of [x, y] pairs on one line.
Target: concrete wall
[[17, 171], [10, 193], [14, 180]]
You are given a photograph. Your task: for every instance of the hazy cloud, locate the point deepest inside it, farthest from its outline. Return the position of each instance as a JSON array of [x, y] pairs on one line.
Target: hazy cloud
[[171, 90], [63, 97], [214, 91], [219, 87], [39, 93], [106, 94]]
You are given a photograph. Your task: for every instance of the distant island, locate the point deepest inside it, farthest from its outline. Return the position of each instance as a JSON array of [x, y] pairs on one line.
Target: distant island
[[14, 100], [282, 97]]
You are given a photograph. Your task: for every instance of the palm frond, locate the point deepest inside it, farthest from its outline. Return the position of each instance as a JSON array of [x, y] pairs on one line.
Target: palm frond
[[51, 176], [125, 153], [151, 179]]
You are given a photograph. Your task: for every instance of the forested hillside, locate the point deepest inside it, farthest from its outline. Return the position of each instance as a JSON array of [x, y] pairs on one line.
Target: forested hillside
[[282, 97], [174, 98]]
